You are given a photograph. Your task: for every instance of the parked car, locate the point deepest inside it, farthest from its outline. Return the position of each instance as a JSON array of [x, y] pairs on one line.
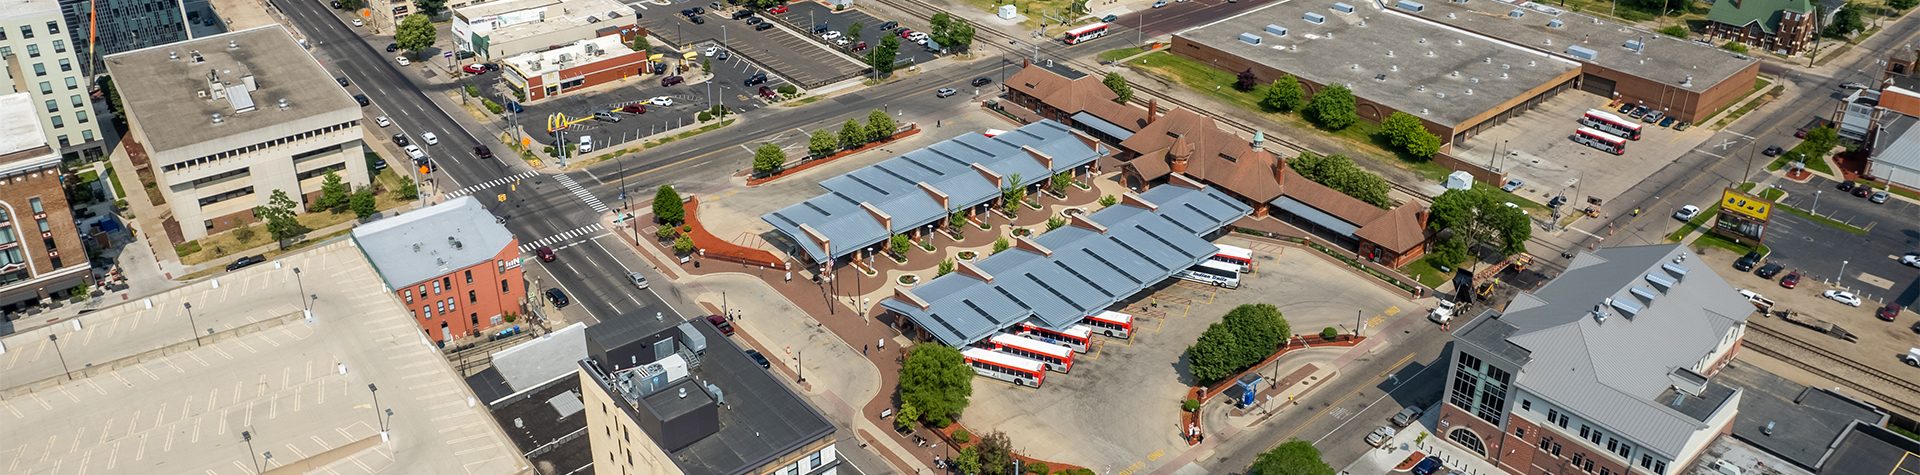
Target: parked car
[[605, 116], [475, 68], [402, 59], [1862, 191], [382, 121], [546, 254], [1110, 18], [1852, 85], [1773, 151], [586, 143], [670, 81], [482, 152], [755, 80], [1846, 186], [758, 358], [635, 108], [1747, 262], [357, 23], [638, 281], [721, 323], [1911, 259], [778, 10], [558, 298], [662, 101], [1428, 466], [1791, 280], [1888, 312], [861, 46], [697, 20], [768, 93], [820, 28], [1626, 108], [243, 262], [763, 26], [1637, 112], [1407, 416], [342, 80], [1653, 117], [393, 47], [1159, 3], [1381, 436], [741, 14], [362, 99], [1686, 213], [1912, 358], [1879, 197], [401, 139], [944, 92], [981, 81], [1683, 125], [1769, 270], [1512, 184], [754, 20], [889, 25], [1842, 296], [830, 35]]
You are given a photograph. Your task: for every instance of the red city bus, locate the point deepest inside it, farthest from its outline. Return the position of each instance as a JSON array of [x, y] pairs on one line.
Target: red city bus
[[1005, 367], [1056, 357], [1600, 140], [1235, 255], [1077, 337], [1077, 35], [1110, 323], [1612, 124]]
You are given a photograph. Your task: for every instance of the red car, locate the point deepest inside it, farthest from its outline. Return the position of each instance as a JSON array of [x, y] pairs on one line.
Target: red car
[[905, 32], [719, 322], [546, 254], [1791, 280], [778, 9], [634, 108], [475, 68], [1888, 312]]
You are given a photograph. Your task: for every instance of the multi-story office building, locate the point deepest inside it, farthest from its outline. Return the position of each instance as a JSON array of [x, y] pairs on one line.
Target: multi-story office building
[[41, 255], [227, 120], [1606, 370], [102, 27], [41, 59], [453, 265]]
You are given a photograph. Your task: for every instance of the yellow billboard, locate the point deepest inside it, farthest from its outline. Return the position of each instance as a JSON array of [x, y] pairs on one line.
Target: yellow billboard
[[1744, 204]]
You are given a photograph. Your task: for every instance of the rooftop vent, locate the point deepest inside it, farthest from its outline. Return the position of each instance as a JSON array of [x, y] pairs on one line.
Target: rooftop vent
[[1678, 271], [1688, 81], [1277, 30], [455, 242], [1451, 16], [416, 246], [1506, 66], [1410, 5], [231, 44], [1356, 66], [1486, 60], [1457, 42], [1517, 13], [1423, 111], [1380, 77], [1420, 88], [1475, 80], [1531, 63], [217, 119], [196, 56], [1599, 313], [1503, 75], [1423, 41], [1628, 308], [1454, 74], [1644, 293], [1635, 45], [1395, 67], [1430, 53], [1582, 52], [1250, 38], [173, 56], [1342, 7], [1441, 95], [1555, 24], [1389, 53], [1660, 281], [283, 104], [1314, 18], [1469, 91]]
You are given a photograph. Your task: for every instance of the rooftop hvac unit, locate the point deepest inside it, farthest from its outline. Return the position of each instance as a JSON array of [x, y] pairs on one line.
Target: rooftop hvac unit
[[1635, 45], [1342, 7], [1276, 30], [1555, 24], [1517, 13], [1410, 5], [1314, 18], [1583, 52], [1250, 38]]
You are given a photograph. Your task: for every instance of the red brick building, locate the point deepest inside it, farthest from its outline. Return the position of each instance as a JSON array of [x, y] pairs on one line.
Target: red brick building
[[577, 66], [41, 255], [454, 267]]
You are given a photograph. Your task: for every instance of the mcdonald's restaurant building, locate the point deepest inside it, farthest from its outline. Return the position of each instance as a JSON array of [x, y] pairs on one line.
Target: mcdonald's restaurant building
[[575, 67]]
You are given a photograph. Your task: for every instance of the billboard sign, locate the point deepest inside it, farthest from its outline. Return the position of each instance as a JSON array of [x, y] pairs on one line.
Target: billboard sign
[[1743, 217]]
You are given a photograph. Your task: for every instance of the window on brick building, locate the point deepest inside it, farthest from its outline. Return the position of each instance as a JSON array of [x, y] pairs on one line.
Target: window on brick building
[[469, 276], [503, 286], [473, 297]]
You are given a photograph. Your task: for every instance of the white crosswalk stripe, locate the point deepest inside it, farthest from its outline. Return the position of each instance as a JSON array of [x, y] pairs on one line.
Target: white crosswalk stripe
[[576, 233], [581, 191], [502, 181]]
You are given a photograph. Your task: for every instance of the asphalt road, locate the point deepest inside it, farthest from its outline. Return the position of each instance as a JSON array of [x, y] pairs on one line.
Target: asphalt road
[[1156, 22], [1870, 260]]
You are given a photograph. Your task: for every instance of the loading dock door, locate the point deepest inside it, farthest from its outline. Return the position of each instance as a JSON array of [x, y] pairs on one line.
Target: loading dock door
[[1597, 85]]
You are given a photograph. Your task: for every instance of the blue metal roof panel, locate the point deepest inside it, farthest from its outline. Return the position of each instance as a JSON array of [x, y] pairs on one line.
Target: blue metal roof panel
[[1337, 225], [967, 190], [1102, 125], [912, 211]]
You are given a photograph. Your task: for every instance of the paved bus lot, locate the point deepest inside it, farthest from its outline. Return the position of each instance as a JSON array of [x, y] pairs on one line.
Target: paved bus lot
[[1872, 260], [1534, 147], [688, 100], [1145, 377], [805, 16], [787, 53]]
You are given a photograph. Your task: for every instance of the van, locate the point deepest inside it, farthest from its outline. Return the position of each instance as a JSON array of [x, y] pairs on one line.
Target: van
[[586, 143], [1407, 416]]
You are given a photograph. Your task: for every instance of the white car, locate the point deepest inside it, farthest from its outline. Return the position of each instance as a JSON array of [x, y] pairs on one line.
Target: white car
[[586, 143], [662, 101], [357, 22], [1843, 297], [414, 152], [382, 120], [830, 35], [430, 139], [1686, 212], [402, 59], [710, 50], [1911, 259]]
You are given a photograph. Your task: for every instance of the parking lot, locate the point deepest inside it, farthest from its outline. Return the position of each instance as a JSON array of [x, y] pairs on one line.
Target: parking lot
[[1145, 377], [1871, 259], [787, 53], [1535, 149], [807, 16], [689, 99], [1878, 341]]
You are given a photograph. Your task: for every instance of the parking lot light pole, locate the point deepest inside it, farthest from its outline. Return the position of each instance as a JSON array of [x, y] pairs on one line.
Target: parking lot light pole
[[247, 436], [1843, 273], [191, 326], [1816, 202], [304, 302], [55, 340]]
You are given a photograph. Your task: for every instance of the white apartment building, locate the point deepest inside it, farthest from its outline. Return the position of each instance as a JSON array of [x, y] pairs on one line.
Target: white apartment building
[[228, 119], [507, 28], [40, 61]]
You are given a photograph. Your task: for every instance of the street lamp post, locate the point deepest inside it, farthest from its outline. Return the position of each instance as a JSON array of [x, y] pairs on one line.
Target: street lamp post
[[55, 340], [376, 407], [1843, 273], [247, 436], [1816, 202], [191, 326], [304, 305]]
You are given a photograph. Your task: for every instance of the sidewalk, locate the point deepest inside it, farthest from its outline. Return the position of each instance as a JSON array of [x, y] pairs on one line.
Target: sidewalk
[[1404, 445]]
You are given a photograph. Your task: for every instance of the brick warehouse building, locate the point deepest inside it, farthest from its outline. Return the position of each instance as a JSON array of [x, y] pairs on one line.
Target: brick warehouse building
[[577, 66], [1462, 70], [41, 255], [1609, 369], [452, 264]]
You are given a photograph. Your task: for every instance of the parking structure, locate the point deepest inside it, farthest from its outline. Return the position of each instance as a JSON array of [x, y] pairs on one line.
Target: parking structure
[[1818, 249], [808, 17], [1536, 148], [1143, 375], [727, 86], [787, 53]]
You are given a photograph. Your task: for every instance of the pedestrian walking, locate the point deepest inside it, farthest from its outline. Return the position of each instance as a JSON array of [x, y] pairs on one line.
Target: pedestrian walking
[[863, 350]]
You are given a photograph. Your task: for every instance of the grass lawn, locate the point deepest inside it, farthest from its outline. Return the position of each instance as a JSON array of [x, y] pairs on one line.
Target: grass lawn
[[1035, 10], [1759, 84], [1115, 54], [1363, 134], [1716, 241], [684, 135], [119, 192], [229, 243], [1423, 270], [303, 244]]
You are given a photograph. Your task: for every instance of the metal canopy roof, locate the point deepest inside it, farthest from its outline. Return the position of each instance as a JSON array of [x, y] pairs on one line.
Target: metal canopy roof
[[1087, 269], [903, 188], [1097, 123], [1310, 213]]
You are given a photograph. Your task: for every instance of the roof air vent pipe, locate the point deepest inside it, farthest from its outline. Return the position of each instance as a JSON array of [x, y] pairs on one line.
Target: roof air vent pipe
[[231, 44], [173, 56], [1389, 53], [1423, 41]]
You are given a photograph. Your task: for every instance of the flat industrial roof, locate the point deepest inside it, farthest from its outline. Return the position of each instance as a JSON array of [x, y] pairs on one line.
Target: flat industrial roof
[[577, 53], [556, 15], [1805, 421], [1386, 56], [19, 135], [536, 424], [167, 101], [1663, 58]]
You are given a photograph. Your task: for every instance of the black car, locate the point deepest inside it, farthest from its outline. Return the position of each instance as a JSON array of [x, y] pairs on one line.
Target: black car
[[1625, 108], [362, 99], [1846, 186], [687, 12], [1769, 270], [698, 20], [1747, 262], [755, 79], [981, 81], [392, 47], [759, 359], [671, 80], [342, 80], [557, 298], [820, 28], [741, 14], [243, 262], [401, 140], [481, 151], [754, 20], [698, 10], [763, 26], [1773, 151], [722, 55], [889, 25]]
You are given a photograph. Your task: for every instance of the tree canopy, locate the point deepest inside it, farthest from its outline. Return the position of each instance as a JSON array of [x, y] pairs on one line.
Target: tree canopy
[[1119, 85], [1339, 172], [279, 215], [429, 8], [334, 193], [951, 32], [1295, 457], [1480, 215], [1405, 132], [1245, 81], [1849, 19], [363, 204], [852, 134], [936, 380], [668, 207], [880, 125], [768, 159], [881, 57], [415, 33], [1245, 336], [1332, 108], [822, 143], [1284, 95]]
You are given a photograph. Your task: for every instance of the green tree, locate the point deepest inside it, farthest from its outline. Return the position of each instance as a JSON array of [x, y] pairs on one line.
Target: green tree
[[1405, 132], [278, 213], [956, 221], [1902, 5], [1734, 46], [852, 135], [668, 208], [768, 158], [416, 33], [946, 267], [904, 418], [408, 189], [1245, 81], [244, 233], [1259, 328], [1000, 244], [959, 36], [1449, 252], [822, 143], [996, 453], [1108, 200], [853, 30], [1676, 31], [1339, 172], [1055, 222], [1118, 84], [968, 461], [429, 8], [1295, 457], [706, 65], [1849, 19], [1284, 95], [1480, 216], [683, 244], [937, 381], [880, 125], [899, 244], [1216, 355], [333, 194], [1060, 182], [640, 43], [881, 58], [1332, 108], [1012, 194], [363, 204]]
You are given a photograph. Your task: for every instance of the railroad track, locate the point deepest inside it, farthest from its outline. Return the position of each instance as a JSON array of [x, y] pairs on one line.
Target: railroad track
[[1903, 404]]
